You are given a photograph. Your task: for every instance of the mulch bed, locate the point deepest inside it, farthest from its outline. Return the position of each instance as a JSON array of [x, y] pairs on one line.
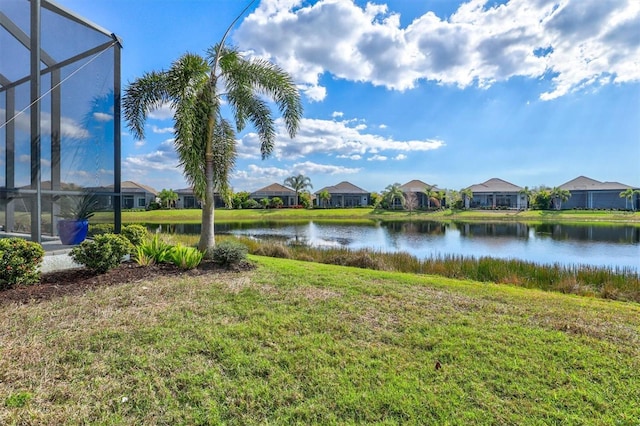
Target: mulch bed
[[77, 281]]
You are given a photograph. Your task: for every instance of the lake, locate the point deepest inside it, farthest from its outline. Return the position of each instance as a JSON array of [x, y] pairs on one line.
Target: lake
[[612, 246]]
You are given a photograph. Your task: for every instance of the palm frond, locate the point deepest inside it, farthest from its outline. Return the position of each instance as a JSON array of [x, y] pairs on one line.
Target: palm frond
[[143, 94]]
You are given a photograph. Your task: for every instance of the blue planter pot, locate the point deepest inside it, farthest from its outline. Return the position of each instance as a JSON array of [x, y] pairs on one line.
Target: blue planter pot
[[72, 232]]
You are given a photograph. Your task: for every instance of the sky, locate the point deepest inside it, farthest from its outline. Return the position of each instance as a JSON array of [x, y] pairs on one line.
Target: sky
[[453, 93]]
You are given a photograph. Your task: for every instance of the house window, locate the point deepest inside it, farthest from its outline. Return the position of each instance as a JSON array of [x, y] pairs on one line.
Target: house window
[[142, 202]]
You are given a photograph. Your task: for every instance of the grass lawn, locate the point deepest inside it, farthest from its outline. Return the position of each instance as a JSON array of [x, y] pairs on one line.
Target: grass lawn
[[364, 215], [306, 343]]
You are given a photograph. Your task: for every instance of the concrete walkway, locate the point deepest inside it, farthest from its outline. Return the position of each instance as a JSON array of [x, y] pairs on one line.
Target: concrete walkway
[[56, 257]]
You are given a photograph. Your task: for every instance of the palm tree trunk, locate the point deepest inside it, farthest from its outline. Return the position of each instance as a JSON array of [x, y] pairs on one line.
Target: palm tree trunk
[[207, 235]]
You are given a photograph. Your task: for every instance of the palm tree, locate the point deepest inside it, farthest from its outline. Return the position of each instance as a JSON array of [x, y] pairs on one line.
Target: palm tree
[[168, 196], [392, 193], [630, 194], [430, 192], [528, 194], [196, 87], [324, 196], [559, 195], [299, 184], [467, 196]]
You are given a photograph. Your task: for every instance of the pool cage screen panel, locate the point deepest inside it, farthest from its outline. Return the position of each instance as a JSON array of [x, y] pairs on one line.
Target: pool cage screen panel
[[59, 116]]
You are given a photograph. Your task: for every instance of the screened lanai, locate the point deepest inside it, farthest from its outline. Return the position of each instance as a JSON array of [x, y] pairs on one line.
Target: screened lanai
[[59, 115]]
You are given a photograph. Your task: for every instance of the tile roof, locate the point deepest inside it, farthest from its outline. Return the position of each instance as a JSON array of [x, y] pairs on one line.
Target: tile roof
[[583, 183], [417, 186], [343, 188], [131, 186], [275, 188], [494, 185]]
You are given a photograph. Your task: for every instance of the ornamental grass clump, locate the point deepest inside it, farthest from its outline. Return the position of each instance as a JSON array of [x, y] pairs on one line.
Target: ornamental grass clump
[[104, 252], [19, 262], [186, 257], [155, 249]]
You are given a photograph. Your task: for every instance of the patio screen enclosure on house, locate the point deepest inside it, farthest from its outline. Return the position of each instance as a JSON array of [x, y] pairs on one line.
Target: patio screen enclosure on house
[[59, 115]]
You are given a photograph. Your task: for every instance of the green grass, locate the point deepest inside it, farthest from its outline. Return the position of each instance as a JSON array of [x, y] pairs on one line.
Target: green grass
[[363, 215], [303, 343]]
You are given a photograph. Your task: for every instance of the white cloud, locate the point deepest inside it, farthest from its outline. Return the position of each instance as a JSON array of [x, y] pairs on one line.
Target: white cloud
[[140, 143], [377, 158], [400, 157], [69, 128], [309, 167], [351, 157], [330, 137], [164, 160], [255, 177], [337, 114], [163, 112], [574, 43], [161, 130], [102, 117]]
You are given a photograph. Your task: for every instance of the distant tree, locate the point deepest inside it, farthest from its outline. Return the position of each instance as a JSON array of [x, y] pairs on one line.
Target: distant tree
[[541, 198], [167, 197], [299, 184], [375, 199], [454, 199], [324, 196], [559, 195], [410, 202], [430, 193], [467, 196], [305, 199], [392, 193], [528, 194], [630, 195], [276, 202], [239, 199]]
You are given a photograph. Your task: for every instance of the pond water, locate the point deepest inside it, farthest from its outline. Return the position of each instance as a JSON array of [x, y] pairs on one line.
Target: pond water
[[612, 246]]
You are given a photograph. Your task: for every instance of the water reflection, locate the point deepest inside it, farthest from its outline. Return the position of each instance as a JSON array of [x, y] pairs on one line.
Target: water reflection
[[617, 246]]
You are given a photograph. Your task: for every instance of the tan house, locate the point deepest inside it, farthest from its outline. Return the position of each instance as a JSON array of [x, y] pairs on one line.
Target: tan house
[[344, 194], [496, 193], [418, 188], [136, 195], [287, 195]]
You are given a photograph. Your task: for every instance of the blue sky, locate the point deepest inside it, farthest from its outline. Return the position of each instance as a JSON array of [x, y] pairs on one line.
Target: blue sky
[[452, 93]]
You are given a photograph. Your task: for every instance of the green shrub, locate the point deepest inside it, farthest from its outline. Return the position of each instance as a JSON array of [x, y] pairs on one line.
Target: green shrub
[[186, 257], [155, 248], [228, 253], [102, 253], [136, 234], [19, 261], [100, 228]]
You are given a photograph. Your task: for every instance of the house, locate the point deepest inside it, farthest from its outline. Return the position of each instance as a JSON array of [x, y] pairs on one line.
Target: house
[[187, 199], [344, 194], [136, 195], [587, 193], [287, 195], [496, 193], [418, 188]]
